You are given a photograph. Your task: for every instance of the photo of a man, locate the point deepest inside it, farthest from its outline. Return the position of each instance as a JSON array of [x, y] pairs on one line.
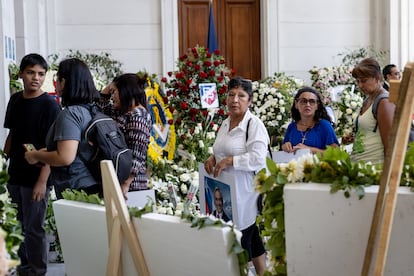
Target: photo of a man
[[218, 204]]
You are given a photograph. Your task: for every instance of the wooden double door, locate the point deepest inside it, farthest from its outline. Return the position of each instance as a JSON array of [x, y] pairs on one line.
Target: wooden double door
[[237, 25]]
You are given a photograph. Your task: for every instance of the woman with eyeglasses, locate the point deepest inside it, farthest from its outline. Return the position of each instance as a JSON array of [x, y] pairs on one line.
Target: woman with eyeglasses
[[311, 127]]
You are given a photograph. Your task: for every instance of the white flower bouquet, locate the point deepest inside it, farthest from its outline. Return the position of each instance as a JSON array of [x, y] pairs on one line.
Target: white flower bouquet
[[272, 100]]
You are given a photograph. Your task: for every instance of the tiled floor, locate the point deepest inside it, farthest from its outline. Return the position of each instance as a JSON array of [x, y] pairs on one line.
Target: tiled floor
[[56, 269]]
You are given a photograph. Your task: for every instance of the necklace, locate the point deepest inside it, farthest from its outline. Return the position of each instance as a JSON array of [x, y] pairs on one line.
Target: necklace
[[304, 133]]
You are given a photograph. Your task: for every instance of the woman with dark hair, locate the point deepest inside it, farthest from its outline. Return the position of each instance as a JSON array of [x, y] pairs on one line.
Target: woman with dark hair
[[372, 132], [126, 102], [241, 149], [311, 127], [76, 87]]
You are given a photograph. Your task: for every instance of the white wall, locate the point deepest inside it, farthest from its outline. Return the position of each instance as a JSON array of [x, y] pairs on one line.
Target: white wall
[[128, 29], [8, 54], [313, 33], [296, 34]]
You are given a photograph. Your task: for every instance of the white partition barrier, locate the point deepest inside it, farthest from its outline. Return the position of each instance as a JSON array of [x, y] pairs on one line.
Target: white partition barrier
[[327, 234], [170, 246]]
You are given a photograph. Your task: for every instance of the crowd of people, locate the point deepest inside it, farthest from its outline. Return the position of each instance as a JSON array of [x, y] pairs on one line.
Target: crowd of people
[[45, 138]]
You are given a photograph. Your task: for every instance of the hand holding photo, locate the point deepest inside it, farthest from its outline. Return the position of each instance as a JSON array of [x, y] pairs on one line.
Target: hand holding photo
[[218, 195]]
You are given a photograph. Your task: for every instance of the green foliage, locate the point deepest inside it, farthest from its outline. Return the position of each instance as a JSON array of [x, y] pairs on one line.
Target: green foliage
[[272, 218], [103, 67], [352, 57], [8, 216], [407, 176], [335, 167], [15, 84], [82, 196]]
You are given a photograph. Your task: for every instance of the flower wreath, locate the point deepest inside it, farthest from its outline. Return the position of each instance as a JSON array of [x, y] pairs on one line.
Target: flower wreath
[[162, 139]]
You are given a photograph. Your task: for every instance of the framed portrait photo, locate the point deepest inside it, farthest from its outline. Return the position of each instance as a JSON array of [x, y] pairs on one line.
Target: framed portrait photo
[[208, 95], [218, 195]]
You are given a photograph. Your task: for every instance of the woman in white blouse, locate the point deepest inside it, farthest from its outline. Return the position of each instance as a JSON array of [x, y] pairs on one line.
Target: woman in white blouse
[[241, 148]]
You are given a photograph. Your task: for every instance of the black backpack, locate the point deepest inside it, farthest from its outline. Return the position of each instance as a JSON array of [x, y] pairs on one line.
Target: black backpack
[[108, 143]]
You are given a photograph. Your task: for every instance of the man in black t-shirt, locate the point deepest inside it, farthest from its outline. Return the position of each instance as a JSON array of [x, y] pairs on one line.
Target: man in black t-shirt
[[29, 115]]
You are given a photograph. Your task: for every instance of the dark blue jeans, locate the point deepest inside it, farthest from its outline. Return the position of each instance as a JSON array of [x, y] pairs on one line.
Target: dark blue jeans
[[34, 248]]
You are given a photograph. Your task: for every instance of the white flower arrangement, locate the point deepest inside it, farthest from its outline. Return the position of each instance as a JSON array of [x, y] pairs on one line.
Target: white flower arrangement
[[272, 99], [174, 189], [347, 110], [323, 79], [339, 91]]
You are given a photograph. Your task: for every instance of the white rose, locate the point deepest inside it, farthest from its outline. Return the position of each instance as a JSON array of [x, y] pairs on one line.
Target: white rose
[[180, 206], [185, 177], [215, 127], [210, 150], [183, 188], [201, 144], [279, 117], [161, 210]]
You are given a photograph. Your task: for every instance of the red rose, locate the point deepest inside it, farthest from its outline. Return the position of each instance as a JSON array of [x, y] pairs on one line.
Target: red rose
[[207, 63], [170, 122], [194, 50], [233, 71], [196, 55], [184, 105], [189, 63], [204, 112], [193, 111], [171, 108], [203, 75], [220, 78], [170, 74], [222, 90], [165, 100], [220, 112], [197, 67], [178, 122], [208, 55], [217, 52], [216, 63], [212, 73], [164, 79], [183, 57], [189, 81]]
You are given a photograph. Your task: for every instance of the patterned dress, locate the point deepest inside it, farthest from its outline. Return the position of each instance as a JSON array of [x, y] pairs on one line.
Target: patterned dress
[[136, 126]]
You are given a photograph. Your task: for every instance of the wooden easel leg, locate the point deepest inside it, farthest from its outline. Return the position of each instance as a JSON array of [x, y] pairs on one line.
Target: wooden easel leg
[[115, 245]]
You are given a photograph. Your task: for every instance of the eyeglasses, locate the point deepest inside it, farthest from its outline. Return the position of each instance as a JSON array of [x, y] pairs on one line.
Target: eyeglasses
[[304, 101]]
